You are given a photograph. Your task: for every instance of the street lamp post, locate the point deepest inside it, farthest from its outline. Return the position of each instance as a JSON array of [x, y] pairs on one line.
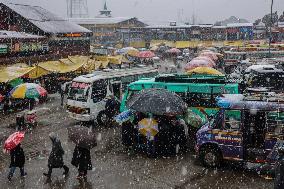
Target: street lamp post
[[270, 27]]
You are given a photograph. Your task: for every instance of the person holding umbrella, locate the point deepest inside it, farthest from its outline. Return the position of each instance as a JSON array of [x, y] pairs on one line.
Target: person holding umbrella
[[13, 144], [55, 159], [82, 160], [85, 139], [17, 160]]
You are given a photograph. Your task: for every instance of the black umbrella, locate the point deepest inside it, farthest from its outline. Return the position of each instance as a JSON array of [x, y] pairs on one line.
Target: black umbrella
[[158, 102], [82, 136]]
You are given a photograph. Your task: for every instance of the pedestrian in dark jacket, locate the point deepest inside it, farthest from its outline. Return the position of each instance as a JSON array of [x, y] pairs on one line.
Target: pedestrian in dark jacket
[[82, 160], [17, 160], [279, 170], [55, 159]]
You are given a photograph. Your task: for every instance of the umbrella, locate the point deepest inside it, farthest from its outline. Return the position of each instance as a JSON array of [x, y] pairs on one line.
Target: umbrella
[[124, 116], [148, 127], [205, 70], [173, 51], [1, 98], [146, 54], [127, 50], [157, 101], [14, 140], [197, 63], [211, 55], [132, 52], [28, 90], [82, 136], [154, 48], [204, 58]]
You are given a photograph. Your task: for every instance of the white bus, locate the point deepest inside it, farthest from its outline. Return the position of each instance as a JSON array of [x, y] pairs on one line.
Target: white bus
[[88, 94]]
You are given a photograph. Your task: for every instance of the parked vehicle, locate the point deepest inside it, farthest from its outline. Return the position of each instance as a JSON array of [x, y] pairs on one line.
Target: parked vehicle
[[88, 94], [242, 130], [199, 92]]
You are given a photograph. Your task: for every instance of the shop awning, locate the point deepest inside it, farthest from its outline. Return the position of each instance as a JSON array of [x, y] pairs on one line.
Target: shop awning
[[115, 59], [10, 73], [61, 66]]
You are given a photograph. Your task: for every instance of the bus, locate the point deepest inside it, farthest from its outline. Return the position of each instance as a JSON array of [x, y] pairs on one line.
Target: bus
[[198, 91], [88, 94], [242, 130]]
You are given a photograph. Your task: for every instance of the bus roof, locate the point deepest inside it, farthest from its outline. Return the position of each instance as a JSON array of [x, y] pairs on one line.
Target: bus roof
[[105, 74], [238, 102], [194, 87]]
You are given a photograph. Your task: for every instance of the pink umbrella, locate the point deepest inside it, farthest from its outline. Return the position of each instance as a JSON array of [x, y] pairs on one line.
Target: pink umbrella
[[211, 55], [14, 140], [198, 63], [173, 51], [1, 98], [204, 58], [146, 54]]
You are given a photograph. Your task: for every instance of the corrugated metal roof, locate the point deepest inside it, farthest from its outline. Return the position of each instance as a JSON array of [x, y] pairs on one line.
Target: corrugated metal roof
[[13, 34], [45, 20], [99, 20]]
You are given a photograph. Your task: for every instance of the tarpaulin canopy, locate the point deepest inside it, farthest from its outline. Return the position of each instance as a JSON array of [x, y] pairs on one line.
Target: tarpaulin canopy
[[62, 66], [115, 59], [10, 73]]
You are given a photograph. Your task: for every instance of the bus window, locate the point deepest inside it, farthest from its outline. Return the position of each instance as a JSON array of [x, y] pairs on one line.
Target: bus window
[[232, 120], [78, 91], [99, 90]]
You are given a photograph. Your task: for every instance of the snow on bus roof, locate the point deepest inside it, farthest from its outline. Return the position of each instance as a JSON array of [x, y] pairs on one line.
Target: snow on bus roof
[[97, 75]]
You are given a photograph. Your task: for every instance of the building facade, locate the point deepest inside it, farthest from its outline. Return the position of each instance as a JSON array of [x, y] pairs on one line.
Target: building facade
[[64, 38]]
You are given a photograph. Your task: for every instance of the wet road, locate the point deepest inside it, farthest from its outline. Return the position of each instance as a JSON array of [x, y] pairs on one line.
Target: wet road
[[114, 167]]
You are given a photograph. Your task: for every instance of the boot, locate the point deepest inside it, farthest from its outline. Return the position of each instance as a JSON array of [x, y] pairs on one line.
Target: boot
[[47, 175], [66, 170]]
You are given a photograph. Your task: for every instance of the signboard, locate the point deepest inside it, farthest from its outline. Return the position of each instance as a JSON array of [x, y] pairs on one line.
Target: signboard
[[80, 85], [3, 48], [73, 34]]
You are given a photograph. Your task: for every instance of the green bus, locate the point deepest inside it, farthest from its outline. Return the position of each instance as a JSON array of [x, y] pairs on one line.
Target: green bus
[[198, 91]]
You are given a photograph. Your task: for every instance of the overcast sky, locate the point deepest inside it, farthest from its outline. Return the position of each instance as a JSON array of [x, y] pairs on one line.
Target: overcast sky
[[205, 11]]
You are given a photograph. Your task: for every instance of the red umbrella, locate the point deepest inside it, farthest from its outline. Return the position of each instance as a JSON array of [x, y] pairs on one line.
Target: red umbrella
[[14, 140], [173, 51], [197, 63], [146, 54], [1, 98]]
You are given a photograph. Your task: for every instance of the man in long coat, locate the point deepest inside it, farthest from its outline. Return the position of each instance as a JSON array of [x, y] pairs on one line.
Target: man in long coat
[[55, 159]]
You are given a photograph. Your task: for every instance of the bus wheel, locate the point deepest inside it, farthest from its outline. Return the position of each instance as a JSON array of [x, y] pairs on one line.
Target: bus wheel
[[210, 156], [103, 119]]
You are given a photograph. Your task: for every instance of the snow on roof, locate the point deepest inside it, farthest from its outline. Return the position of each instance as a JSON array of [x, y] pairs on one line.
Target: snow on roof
[[14, 34], [99, 20], [45, 20], [180, 26], [240, 25]]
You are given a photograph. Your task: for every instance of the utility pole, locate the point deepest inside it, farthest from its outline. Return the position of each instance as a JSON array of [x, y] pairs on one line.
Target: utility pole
[[270, 27]]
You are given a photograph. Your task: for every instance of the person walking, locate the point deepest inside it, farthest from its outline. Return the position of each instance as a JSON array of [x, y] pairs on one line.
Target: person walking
[[82, 160], [17, 160], [55, 159]]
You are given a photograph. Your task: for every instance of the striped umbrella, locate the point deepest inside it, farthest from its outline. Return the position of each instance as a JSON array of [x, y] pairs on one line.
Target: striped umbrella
[[28, 90]]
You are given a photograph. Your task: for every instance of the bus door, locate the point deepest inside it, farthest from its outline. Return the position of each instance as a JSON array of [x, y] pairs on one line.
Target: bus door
[[117, 89], [99, 93], [228, 135]]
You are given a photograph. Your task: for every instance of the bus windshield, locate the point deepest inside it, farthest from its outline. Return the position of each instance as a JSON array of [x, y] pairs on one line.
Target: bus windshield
[[79, 91]]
